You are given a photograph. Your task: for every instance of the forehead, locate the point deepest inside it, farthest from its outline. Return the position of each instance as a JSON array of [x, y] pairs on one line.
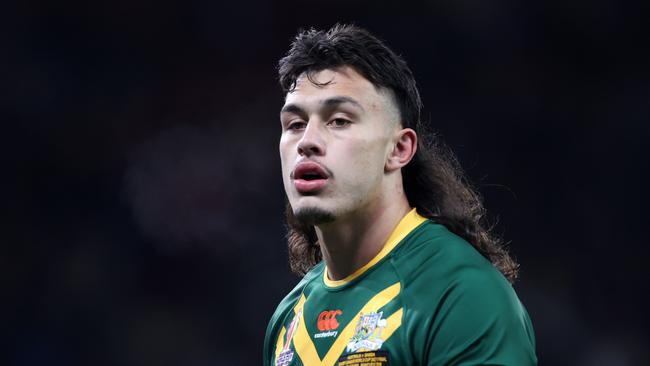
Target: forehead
[[343, 81]]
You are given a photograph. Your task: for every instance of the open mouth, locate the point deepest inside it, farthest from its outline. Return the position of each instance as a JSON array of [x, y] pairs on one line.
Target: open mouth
[[309, 177], [309, 171]]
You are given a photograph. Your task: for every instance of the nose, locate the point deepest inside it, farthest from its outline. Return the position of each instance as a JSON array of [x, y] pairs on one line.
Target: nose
[[311, 142]]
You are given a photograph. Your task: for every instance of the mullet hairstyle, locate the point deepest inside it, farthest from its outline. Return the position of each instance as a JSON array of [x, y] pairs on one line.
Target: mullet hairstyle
[[433, 180]]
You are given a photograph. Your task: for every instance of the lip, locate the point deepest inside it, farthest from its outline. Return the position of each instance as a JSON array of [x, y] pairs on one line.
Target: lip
[[311, 186]]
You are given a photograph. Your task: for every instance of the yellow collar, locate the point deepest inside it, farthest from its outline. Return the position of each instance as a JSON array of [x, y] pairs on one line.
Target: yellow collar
[[408, 223]]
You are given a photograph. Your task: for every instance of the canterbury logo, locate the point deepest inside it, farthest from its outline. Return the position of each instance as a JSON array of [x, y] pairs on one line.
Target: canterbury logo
[[327, 320]]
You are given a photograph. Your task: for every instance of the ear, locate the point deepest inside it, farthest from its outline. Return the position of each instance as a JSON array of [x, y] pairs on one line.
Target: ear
[[404, 146]]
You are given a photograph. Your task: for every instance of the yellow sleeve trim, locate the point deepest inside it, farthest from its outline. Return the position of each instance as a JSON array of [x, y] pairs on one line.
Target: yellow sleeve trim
[[408, 223]]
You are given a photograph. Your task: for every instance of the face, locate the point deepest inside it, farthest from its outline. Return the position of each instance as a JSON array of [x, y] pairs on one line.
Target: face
[[334, 145]]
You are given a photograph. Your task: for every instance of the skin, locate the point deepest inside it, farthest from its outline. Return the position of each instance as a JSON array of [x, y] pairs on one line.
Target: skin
[[353, 130]]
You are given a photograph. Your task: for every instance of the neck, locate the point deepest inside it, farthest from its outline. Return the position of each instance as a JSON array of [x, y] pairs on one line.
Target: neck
[[350, 242]]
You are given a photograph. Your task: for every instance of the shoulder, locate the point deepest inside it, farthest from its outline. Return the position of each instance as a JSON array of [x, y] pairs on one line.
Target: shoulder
[[435, 264], [433, 251], [460, 302]]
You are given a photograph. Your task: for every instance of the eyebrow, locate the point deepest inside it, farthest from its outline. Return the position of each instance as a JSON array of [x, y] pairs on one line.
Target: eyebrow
[[329, 103]]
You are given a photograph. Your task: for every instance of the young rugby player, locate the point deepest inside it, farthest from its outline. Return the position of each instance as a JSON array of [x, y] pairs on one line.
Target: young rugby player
[[398, 267]]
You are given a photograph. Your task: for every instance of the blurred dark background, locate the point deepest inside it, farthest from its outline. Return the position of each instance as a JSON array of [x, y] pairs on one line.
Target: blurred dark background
[[141, 182]]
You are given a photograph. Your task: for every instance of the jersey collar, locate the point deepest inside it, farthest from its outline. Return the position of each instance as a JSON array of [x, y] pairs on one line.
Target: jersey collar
[[408, 223]]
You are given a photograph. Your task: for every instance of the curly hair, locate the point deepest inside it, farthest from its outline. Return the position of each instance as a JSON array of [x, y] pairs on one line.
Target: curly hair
[[433, 180]]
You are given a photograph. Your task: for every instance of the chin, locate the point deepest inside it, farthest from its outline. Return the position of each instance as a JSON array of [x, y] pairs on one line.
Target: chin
[[313, 215]]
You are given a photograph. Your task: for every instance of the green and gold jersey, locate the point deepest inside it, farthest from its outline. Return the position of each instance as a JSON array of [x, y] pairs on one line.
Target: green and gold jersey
[[427, 298]]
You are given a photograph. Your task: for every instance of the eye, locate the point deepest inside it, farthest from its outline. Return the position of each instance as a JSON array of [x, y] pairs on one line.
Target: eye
[[296, 125], [339, 122]]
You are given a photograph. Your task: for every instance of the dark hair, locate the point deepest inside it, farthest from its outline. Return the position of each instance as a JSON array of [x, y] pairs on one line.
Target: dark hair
[[433, 180]]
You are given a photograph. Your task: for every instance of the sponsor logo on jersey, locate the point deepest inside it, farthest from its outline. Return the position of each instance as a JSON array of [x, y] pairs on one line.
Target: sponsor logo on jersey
[[367, 334], [286, 356], [327, 320], [327, 323]]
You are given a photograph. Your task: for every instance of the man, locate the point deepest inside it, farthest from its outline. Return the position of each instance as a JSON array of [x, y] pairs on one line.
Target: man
[[397, 266]]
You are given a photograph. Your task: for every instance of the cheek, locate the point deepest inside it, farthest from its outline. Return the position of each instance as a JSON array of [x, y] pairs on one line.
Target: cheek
[[364, 159]]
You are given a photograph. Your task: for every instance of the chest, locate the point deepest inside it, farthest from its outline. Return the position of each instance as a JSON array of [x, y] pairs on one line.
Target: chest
[[359, 325]]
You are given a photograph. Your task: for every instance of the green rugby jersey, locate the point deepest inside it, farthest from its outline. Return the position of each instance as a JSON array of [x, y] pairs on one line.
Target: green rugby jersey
[[427, 298]]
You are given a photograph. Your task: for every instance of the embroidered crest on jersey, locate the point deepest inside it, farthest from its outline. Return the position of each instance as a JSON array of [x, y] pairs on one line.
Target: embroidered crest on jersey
[[367, 334], [286, 356]]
